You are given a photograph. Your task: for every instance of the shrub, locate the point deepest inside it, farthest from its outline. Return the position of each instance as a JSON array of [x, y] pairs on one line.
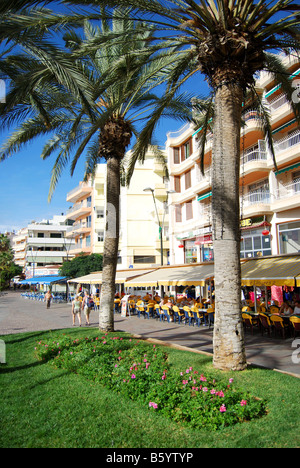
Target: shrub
[[141, 371]]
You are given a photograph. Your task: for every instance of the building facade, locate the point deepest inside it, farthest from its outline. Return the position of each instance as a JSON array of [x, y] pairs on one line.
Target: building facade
[[269, 198], [47, 247], [142, 214]]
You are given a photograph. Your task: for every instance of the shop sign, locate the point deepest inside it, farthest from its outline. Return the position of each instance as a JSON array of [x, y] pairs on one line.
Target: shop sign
[[204, 240], [246, 222]]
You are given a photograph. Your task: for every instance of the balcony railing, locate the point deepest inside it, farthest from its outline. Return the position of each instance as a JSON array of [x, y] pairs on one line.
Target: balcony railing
[[263, 197], [79, 206], [255, 155], [292, 140], [287, 191], [278, 102]]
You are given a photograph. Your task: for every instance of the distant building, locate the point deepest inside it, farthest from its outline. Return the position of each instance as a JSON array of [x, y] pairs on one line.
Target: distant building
[[42, 247]]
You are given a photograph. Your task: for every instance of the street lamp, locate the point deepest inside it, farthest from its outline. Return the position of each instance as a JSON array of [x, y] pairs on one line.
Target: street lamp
[[161, 225]]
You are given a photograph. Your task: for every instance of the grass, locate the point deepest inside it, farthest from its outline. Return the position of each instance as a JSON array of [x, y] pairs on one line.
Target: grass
[[44, 407]]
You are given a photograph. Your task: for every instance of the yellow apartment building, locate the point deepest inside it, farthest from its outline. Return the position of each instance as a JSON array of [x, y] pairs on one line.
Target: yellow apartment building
[[269, 198], [142, 213], [80, 213]]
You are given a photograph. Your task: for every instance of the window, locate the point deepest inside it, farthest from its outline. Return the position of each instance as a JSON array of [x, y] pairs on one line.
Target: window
[[186, 150], [100, 213], [144, 259], [259, 192], [176, 155], [89, 221], [255, 244], [190, 251], [289, 237], [55, 235], [188, 180], [178, 213], [100, 236], [41, 234], [189, 210], [296, 181], [177, 185], [88, 241]]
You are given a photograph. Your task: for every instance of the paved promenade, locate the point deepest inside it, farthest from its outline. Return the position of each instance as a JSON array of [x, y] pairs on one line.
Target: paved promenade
[[19, 315]]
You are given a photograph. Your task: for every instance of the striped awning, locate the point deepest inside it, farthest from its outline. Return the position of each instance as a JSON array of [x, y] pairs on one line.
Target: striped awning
[[183, 275], [271, 271], [121, 276]]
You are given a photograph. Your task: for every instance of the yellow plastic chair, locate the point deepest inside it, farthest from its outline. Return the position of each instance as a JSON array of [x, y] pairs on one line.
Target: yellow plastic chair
[[249, 322], [166, 312], [177, 314], [295, 321], [265, 323], [279, 324]]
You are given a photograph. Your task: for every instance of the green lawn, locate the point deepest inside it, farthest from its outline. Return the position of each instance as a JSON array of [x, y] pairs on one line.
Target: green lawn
[[45, 407]]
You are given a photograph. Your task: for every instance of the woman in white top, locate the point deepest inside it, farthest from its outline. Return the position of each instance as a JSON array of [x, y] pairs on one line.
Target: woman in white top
[[297, 308], [286, 309], [76, 309]]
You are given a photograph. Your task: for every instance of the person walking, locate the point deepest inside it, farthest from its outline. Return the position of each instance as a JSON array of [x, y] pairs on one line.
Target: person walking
[[76, 310], [48, 299], [87, 304]]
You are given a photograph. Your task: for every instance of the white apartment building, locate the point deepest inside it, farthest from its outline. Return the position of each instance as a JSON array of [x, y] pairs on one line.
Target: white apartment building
[[47, 246], [18, 244], [270, 199]]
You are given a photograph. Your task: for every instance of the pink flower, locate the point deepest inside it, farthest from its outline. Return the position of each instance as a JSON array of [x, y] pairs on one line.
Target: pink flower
[[116, 365], [154, 405], [133, 376], [243, 402], [230, 380], [205, 389], [223, 409]]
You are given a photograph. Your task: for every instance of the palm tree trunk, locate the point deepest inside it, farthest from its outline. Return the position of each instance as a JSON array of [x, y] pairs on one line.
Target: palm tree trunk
[[111, 244], [229, 349]]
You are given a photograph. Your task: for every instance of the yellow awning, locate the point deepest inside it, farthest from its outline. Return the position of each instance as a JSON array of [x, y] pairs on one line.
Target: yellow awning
[[88, 279], [184, 275], [271, 271], [121, 276]]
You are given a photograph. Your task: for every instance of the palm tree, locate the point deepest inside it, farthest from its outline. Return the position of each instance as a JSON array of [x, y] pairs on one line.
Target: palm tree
[[229, 42], [121, 79]]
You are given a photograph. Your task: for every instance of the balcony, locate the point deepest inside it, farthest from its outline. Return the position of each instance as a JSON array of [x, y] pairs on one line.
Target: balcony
[[82, 190], [256, 203], [288, 149], [79, 209], [286, 197], [78, 228]]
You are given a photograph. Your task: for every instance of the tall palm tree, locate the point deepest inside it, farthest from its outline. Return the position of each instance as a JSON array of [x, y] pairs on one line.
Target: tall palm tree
[[121, 79], [229, 42]]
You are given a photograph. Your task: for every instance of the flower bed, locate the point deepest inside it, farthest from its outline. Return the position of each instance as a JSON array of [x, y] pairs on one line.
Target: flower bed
[[141, 371]]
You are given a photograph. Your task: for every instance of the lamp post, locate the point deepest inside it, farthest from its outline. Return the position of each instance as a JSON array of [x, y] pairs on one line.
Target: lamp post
[[160, 224]]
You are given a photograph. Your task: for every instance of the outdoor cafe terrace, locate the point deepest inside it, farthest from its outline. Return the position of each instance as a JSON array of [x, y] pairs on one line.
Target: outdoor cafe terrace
[[279, 271]]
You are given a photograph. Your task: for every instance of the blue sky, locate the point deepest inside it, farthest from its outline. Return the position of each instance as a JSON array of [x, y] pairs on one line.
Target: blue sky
[[25, 178]]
